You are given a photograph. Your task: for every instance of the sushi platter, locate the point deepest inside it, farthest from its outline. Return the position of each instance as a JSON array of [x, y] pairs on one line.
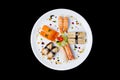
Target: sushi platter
[[61, 39]]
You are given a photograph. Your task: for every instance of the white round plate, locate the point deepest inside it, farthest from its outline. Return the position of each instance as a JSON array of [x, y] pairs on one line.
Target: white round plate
[[80, 52]]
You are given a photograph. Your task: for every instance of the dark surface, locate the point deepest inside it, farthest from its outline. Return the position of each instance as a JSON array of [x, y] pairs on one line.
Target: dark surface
[[23, 60], [31, 63]]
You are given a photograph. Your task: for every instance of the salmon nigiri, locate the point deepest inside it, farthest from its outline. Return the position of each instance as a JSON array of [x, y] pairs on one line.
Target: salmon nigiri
[[49, 33]]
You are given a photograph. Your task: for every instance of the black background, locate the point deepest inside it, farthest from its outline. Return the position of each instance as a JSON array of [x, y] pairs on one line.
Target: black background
[[21, 60]]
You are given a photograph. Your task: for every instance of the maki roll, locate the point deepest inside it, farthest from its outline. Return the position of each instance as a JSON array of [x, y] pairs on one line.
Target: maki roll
[[81, 35], [54, 50], [52, 53], [76, 37], [76, 41], [47, 48], [44, 51], [81, 41], [49, 45], [71, 35], [71, 41], [76, 34]]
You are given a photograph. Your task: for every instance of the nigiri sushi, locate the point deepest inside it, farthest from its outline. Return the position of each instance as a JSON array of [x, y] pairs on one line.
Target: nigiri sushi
[[49, 33]]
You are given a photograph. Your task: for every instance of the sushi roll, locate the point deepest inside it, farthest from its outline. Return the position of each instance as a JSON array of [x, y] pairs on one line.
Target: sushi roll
[[49, 45], [76, 41], [76, 34], [50, 55], [55, 50], [71, 41], [44, 51], [71, 35], [81, 35], [52, 52], [81, 41], [76, 37], [47, 48]]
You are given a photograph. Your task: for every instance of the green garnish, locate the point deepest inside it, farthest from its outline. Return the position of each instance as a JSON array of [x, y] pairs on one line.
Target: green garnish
[[64, 42], [81, 51], [59, 43], [74, 48], [72, 27], [65, 38], [71, 16], [77, 22], [54, 21], [57, 57]]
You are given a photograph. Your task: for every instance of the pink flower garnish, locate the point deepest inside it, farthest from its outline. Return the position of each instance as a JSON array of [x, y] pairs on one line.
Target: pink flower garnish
[[72, 22], [50, 24]]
